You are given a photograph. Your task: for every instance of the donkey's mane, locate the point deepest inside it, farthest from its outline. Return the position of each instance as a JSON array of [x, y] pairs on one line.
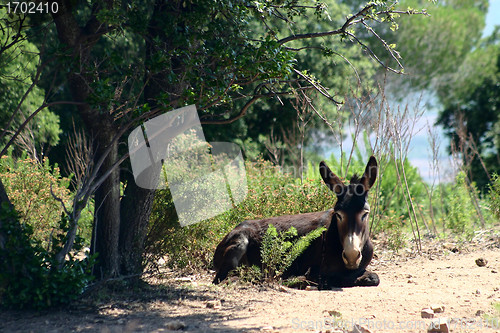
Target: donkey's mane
[[355, 179]]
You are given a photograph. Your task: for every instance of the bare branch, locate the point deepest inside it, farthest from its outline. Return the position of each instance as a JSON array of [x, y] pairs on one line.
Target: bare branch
[[343, 30]]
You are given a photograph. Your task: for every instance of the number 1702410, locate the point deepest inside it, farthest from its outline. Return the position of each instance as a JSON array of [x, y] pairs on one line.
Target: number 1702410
[[22, 7]]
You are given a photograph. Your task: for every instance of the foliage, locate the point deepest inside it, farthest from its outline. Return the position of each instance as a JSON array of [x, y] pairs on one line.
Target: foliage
[[464, 127], [28, 184], [461, 213], [279, 250], [270, 193], [326, 59], [494, 196], [250, 274], [475, 91], [34, 279], [432, 47], [18, 66]]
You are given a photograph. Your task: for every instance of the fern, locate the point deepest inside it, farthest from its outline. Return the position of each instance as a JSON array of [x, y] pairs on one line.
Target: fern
[[279, 250]]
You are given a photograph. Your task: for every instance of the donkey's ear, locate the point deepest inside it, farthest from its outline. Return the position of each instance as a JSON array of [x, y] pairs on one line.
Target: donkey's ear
[[331, 180], [370, 174]]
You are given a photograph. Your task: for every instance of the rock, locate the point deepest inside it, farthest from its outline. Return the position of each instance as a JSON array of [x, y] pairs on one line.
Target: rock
[[478, 292], [479, 313], [360, 329], [451, 247], [283, 289], [437, 308], [494, 271], [311, 288], [214, 304], [439, 325], [267, 328], [183, 279], [427, 313], [334, 313], [175, 325], [481, 262]]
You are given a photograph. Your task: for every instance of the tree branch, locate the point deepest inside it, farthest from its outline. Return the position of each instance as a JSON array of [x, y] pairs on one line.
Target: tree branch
[[349, 22]]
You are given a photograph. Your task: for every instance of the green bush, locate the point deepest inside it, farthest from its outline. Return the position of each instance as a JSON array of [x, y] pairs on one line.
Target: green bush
[[279, 250], [460, 211], [494, 196], [28, 183], [29, 276]]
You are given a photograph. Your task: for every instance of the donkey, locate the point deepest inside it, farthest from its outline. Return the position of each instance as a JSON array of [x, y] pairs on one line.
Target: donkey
[[338, 258]]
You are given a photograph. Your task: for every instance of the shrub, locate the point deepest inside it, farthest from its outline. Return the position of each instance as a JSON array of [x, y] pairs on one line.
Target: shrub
[[279, 250], [28, 184], [494, 196], [460, 211], [31, 279]]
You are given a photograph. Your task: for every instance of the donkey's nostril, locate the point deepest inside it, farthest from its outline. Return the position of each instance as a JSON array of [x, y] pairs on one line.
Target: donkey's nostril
[[359, 255]]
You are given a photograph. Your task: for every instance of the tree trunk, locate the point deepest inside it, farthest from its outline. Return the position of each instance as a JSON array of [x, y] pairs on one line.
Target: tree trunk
[[107, 218], [135, 210]]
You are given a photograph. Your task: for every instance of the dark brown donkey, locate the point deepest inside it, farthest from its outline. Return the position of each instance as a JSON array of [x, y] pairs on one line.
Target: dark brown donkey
[[338, 258]]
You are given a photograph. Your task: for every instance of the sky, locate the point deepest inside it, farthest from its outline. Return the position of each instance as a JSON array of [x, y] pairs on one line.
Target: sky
[[493, 17], [420, 150]]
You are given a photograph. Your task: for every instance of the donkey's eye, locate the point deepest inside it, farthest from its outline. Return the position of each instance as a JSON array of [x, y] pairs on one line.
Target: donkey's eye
[[365, 216], [339, 217]]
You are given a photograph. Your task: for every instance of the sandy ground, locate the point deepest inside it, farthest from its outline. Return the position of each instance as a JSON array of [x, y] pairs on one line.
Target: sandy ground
[[409, 283]]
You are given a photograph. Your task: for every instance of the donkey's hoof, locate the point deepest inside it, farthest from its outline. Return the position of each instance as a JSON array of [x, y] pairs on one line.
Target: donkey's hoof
[[368, 279]]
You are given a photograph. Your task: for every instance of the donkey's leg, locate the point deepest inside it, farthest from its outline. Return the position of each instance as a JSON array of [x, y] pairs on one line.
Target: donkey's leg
[[353, 279], [367, 279], [233, 254]]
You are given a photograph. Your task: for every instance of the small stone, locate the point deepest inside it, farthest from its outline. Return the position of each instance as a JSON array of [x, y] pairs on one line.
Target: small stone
[[311, 288], [184, 279], [267, 328], [479, 313], [176, 325], [451, 247], [439, 325], [120, 321], [334, 313], [478, 292], [481, 262], [214, 304], [427, 313], [283, 289], [437, 308], [494, 271]]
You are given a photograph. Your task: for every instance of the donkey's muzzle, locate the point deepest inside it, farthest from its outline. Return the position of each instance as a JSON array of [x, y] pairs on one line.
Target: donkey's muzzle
[[352, 258]]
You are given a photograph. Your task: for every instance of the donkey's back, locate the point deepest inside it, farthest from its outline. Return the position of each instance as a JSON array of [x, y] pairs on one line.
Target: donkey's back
[[242, 245]]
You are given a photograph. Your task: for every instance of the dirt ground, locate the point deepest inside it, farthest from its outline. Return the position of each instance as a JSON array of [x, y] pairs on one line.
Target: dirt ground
[[445, 274]]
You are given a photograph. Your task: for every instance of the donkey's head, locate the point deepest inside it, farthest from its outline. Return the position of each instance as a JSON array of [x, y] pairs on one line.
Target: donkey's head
[[351, 210]]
